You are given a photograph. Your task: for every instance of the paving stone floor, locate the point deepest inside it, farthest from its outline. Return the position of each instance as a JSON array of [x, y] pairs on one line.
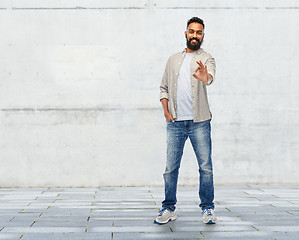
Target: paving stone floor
[[244, 212]]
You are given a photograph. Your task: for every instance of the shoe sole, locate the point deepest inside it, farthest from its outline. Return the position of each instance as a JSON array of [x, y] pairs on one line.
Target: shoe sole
[[169, 220], [210, 222]]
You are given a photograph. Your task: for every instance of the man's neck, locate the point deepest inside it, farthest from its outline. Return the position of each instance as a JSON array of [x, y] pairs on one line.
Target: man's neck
[[189, 50]]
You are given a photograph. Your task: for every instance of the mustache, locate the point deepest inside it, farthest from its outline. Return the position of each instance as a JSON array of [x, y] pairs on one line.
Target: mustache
[[194, 39]]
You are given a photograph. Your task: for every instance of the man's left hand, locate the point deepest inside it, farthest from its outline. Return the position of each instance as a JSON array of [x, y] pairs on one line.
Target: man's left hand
[[201, 73]]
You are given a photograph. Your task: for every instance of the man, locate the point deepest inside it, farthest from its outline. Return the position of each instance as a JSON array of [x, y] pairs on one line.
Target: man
[[184, 99]]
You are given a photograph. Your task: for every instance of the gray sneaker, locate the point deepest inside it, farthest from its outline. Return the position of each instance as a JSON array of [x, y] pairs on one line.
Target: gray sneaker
[[165, 215], [208, 216]]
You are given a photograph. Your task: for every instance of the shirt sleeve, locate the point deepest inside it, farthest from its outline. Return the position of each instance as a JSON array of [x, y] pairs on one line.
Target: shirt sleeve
[[164, 82], [211, 66]]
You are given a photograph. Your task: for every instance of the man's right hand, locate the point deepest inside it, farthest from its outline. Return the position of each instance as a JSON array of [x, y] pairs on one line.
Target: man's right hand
[[168, 117]]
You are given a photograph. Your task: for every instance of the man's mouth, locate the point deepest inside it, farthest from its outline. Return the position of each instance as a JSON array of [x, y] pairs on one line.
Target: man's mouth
[[194, 41]]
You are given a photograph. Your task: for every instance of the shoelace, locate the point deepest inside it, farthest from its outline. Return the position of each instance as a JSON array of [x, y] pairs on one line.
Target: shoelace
[[162, 211], [209, 211]]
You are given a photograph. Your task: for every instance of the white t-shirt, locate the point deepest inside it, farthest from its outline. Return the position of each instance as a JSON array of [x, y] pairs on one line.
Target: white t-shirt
[[184, 90]]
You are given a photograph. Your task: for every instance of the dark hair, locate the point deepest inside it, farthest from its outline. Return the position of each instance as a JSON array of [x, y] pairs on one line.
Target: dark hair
[[197, 20]]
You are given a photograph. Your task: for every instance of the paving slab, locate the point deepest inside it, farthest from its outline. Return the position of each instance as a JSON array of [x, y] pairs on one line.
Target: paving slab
[[8, 236], [243, 212], [158, 236], [66, 236], [34, 229]]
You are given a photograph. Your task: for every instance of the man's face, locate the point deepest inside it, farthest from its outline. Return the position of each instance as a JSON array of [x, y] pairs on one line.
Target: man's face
[[194, 35]]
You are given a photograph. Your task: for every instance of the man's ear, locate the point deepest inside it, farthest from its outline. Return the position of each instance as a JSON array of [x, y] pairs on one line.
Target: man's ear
[[185, 34]]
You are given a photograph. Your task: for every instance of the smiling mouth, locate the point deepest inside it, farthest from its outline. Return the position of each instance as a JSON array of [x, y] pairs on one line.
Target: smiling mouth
[[194, 41]]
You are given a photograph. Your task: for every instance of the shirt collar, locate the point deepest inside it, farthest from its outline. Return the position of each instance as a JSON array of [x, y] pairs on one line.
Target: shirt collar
[[199, 51]]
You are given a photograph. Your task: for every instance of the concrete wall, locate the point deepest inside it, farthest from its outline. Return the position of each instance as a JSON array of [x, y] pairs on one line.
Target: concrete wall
[[79, 89]]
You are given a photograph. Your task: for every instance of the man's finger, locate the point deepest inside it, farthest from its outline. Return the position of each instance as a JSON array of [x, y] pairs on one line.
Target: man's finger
[[201, 65], [196, 70]]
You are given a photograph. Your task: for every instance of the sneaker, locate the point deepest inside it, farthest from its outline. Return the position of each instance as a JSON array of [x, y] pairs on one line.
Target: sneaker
[[208, 216], [165, 215]]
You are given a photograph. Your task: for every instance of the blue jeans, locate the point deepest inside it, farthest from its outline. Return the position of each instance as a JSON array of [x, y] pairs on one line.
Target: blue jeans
[[200, 137]]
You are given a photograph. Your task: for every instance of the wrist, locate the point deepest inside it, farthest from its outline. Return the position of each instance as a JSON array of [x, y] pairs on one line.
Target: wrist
[[210, 80]]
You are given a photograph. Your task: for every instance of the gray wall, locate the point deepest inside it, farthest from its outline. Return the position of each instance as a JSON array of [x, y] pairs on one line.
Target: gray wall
[[79, 91]]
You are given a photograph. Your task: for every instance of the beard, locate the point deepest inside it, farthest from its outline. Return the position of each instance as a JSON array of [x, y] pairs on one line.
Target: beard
[[194, 46]]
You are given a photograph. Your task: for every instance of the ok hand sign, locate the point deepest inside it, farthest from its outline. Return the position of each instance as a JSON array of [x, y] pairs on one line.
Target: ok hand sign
[[201, 72]]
